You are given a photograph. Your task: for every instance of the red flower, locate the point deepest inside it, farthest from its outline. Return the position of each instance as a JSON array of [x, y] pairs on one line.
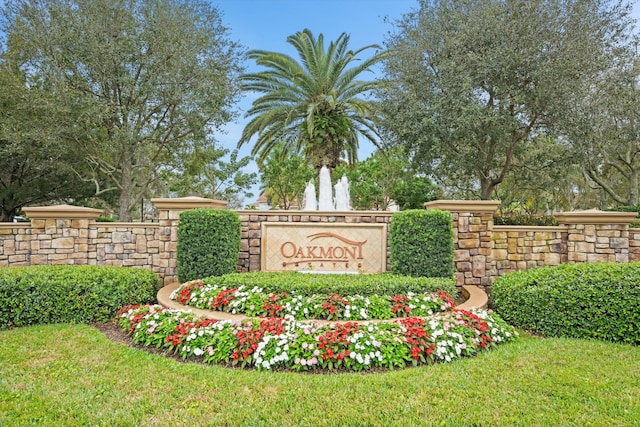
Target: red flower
[[415, 352]]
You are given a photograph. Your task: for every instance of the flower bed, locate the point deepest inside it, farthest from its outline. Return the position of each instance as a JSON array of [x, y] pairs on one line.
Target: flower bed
[[286, 343], [255, 301]]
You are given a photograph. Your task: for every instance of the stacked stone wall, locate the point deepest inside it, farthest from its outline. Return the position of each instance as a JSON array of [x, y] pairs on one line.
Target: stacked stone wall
[[522, 248], [634, 244], [482, 251], [598, 243], [15, 244]]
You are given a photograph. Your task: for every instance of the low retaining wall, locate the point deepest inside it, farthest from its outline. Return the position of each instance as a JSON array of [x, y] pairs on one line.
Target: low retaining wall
[[70, 235]]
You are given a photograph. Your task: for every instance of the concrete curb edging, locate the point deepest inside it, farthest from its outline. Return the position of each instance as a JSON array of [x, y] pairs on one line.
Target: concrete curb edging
[[476, 297]]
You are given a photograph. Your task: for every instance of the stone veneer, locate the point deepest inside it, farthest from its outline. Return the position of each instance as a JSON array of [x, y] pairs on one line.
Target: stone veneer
[[523, 247], [66, 234], [472, 238], [70, 235]]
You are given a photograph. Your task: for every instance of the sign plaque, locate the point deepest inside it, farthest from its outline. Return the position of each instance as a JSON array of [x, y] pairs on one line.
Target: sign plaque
[[324, 247]]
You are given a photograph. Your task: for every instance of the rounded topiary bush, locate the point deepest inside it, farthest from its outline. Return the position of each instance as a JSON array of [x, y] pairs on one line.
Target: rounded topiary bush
[[590, 300], [208, 243], [421, 243], [70, 293]]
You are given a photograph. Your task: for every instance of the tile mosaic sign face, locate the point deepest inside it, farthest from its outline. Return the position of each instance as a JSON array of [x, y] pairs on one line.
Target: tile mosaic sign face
[[324, 247]]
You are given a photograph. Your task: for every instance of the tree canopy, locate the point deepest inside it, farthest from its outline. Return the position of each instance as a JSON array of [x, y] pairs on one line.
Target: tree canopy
[[134, 81], [603, 128], [473, 82], [34, 168], [386, 178], [313, 105], [284, 178]]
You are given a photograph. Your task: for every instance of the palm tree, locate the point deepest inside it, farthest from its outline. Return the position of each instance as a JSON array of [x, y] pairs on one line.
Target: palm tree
[[312, 106]]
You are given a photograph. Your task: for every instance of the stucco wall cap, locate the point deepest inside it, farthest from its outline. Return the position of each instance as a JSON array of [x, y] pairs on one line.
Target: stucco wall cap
[[464, 205], [595, 216], [62, 212], [184, 203]]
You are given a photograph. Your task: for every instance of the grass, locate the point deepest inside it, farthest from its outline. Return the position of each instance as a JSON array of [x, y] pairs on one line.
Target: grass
[[68, 375]]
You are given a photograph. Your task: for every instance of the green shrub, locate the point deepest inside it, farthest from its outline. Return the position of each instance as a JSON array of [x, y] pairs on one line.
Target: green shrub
[[421, 243], [344, 284], [589, 300], [208, 243], [624, 209], [636, 222], [70, 293], [543, 220]]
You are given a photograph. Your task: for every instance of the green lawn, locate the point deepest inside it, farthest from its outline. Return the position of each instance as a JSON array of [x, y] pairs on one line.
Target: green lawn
[[67, 375]]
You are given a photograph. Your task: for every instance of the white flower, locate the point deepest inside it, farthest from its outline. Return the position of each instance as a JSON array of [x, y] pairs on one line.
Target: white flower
[[198, 351]]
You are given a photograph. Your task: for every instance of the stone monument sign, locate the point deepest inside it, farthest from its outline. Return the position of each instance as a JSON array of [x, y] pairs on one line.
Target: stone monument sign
[[322, 247]]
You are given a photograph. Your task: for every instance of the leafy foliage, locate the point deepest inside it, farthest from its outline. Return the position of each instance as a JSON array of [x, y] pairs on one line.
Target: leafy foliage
[[35, 166], [385, 177], [284, 177], [587, 300], [471, 83], [207, 172], [66, 293], [272, 343], [134, 82], [254, 301], [602, 128], [311, 106], [208, 243], [421, 243]]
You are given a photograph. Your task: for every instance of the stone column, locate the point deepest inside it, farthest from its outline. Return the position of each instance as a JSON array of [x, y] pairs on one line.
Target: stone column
[[472, 238], [597, 236], [165, 261], [60, 234]]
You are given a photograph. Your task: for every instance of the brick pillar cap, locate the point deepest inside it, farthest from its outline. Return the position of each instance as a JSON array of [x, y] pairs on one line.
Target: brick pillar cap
[[184, 203], [595, 216], [464, 205], [62, 212]]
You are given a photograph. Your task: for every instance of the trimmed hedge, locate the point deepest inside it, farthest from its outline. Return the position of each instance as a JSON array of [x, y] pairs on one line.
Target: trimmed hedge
[[309, 284], [636, 222], [421, 243], [208, 243], [541, 221], [70, 293], [588, 300]]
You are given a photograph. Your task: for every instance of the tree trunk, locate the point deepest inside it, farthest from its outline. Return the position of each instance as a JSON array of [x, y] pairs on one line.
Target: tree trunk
[[7, 214], [127, 202], [633, 188], [486, 188]]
